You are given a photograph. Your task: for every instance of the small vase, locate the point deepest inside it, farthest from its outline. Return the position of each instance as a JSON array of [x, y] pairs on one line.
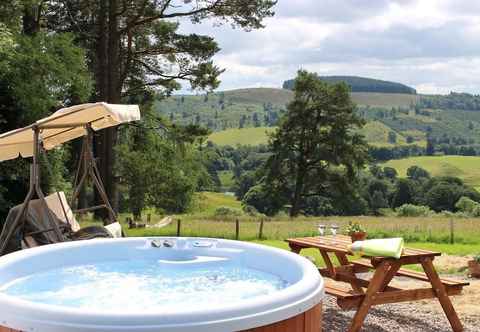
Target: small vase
[[474, 268], [358, 236]]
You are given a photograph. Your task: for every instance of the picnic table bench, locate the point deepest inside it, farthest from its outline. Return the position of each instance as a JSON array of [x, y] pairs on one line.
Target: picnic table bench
[[353, 291]]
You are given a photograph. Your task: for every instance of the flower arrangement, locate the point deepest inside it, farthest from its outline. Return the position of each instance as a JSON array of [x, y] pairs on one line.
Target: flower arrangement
[[356, 231]]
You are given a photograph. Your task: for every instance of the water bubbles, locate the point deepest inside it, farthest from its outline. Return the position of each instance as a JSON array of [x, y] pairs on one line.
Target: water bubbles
[[145, 285]]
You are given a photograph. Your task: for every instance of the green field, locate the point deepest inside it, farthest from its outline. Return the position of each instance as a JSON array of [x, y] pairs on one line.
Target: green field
[[464, 167], [244, 136], [226, 180], [207, 202], [375, 132]]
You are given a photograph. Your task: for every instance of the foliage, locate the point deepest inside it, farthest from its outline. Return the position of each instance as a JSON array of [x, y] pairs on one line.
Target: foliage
[[411, 210], [361, 84], [476, 258], [354, 227], [314, 141], [39, 73], [263, 200], [468, 206], [225, 211], [454, 100], [157, 172], [404, 192], [417, 173]]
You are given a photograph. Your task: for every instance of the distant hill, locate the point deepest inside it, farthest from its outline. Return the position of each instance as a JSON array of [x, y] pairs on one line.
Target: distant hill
[[362, 84]]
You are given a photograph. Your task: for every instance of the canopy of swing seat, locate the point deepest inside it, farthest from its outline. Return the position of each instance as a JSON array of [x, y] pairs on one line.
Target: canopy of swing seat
[[65, 125]]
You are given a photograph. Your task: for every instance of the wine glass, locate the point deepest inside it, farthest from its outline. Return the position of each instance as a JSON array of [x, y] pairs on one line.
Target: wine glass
[[334, 229], [321, 229]]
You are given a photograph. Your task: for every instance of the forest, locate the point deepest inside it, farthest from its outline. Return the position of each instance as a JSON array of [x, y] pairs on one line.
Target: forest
[[362, 84]]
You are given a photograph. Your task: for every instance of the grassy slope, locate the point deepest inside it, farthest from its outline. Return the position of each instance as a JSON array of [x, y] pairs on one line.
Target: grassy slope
[[461, 166], [226, 179], [245, 136], [208, 202], [223, 110], [376, 133]]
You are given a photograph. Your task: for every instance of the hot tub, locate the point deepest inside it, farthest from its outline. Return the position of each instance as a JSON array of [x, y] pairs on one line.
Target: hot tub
[[159, 284]]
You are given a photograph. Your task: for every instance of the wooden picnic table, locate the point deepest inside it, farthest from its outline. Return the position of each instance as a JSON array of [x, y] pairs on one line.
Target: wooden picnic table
[[353, 291]]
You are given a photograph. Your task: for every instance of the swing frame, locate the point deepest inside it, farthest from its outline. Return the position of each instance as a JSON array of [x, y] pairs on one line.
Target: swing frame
[[86, 168]]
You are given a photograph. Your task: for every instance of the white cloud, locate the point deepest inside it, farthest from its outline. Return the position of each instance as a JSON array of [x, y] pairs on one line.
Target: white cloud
[[432, 45]]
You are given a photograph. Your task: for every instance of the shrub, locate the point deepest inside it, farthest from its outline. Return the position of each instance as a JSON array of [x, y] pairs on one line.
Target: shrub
[[410, 210], [469, 206], [250, 210], [225, 211]]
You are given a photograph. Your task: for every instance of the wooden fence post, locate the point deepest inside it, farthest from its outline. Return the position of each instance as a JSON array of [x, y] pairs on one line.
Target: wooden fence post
[[260, 231], [179, 226], [452, 232], [237, 229]]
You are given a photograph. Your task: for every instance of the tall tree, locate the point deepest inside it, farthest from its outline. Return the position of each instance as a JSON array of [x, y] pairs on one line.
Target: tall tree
[[315, 139], [134, 45], [39, 72]]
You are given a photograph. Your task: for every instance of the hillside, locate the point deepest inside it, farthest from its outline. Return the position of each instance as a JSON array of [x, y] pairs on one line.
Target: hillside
[[246, 136], [400, 114], [362, 84], [463, 167], [384, 99]]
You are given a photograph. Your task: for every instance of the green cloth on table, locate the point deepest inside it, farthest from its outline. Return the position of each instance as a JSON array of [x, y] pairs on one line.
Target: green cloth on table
[[379, 247]]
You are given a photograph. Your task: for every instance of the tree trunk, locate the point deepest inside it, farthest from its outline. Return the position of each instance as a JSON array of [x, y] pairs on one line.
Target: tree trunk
[[101, 77], [297, 195], [30, 19], [114, 97]]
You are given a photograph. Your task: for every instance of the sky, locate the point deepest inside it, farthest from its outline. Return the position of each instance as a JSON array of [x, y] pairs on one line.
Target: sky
[[431, 45]]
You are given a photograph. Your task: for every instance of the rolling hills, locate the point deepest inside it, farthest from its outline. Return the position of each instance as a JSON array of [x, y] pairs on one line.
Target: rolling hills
[[464, 167], [227, 113]]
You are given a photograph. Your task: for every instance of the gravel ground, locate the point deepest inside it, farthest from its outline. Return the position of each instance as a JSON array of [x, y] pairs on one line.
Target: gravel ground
[[407, 317]]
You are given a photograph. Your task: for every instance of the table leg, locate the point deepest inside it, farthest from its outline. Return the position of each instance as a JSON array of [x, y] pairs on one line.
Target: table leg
[[294, 248], [328, 263], [342, 258], [441, 293], [373, 288], [394, 267]]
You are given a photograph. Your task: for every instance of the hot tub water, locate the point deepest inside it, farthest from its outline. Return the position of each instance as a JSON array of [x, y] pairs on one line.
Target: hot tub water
[[137, 285]]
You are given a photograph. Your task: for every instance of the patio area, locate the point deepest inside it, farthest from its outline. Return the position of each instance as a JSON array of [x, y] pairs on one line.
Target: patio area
[[428, 317]]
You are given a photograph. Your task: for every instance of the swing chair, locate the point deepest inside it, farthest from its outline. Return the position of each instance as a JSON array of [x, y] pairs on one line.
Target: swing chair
[[50, 219]]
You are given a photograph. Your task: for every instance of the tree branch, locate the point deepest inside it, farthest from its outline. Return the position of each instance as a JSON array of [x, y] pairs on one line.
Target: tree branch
[[162, 14]]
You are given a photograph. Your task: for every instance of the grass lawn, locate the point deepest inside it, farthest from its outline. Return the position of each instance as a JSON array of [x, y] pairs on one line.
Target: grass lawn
[[226, 179], [464, 167]]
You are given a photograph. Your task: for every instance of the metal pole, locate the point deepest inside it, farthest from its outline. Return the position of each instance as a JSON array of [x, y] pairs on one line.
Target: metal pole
[[95, 175], [36, 151]]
